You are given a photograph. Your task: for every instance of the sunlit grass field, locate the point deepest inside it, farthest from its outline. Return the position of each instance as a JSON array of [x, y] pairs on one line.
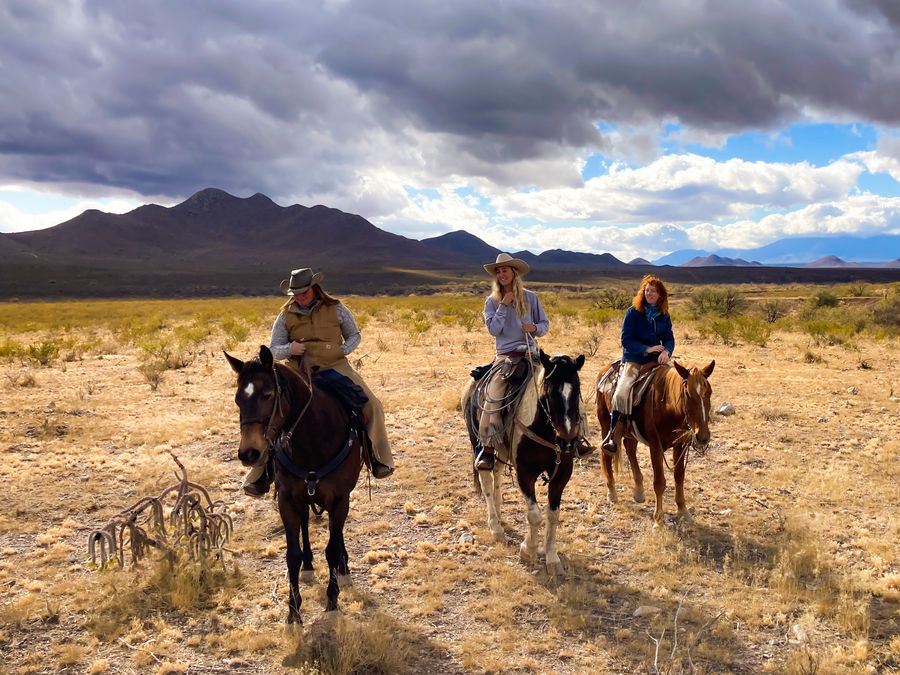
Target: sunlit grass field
[[790, 563]]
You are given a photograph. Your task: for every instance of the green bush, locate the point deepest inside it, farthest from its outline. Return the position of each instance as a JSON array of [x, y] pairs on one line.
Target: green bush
[[600, 316], [612, 298], [721, 328], [886, 313], [754, 331], [829, 331], [42, 353], [823, 298], [773, 310], [10, 349], [724, 302], [235, 332]]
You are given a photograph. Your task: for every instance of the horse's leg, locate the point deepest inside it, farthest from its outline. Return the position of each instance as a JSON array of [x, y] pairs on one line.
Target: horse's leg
[[307, 575], [606, 460], [490, 489], [291, 519], [659, 481], [631, 450], [334, 551], [554, 499], [679, 455], [526, 477]]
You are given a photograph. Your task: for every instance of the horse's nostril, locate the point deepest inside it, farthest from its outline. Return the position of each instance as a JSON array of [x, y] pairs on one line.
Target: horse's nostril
[[249, 456]]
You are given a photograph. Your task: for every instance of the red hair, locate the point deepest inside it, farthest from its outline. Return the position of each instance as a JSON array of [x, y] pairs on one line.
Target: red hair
[[640, 302]]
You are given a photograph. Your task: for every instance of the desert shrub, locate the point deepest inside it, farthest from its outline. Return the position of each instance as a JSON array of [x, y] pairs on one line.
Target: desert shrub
[[192, 334], [42, 353], [10, 349], [857, 290], [754, 331], [167, 353], [612, 298], [773, 310], [717, 329], [823, 298], [828, 331], [600, 316], [725, 302], [235, 332], [131, 329], [886, 313]]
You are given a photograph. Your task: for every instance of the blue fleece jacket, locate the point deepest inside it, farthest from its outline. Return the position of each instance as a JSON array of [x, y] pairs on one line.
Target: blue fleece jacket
[[639, 332]]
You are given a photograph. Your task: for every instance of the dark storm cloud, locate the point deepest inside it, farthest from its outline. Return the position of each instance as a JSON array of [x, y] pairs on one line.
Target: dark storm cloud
[[298, 99]]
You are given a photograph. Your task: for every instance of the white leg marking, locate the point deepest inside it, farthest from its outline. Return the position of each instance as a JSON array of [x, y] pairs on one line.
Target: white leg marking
[[554, 564], [528, 549]]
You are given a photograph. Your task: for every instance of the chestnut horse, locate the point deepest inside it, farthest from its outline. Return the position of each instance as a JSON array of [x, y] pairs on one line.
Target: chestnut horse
[[674, 413], [543, 438], [318, 453]]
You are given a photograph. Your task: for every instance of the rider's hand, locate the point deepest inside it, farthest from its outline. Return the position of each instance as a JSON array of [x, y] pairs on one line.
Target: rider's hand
[[298, 348], [663, 357], [508, 299], [528, 327], [654, 349]]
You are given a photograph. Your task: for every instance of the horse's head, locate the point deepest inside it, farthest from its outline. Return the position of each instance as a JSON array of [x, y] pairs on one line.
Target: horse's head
[[257, 399], [696, 402], [561, 391]]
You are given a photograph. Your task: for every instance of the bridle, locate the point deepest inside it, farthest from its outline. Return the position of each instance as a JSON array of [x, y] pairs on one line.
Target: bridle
[[273, 438]]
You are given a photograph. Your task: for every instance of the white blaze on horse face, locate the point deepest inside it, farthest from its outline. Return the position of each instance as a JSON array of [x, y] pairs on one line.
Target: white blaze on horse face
[[248, 390], [567, 395], [702, 404]]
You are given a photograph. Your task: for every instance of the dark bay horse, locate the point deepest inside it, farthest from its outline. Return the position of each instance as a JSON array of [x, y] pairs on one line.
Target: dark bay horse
[[674, 413], [318, 460], [543, 438]]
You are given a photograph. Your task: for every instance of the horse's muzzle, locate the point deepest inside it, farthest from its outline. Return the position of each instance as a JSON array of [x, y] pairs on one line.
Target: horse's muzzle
[[251, 456]]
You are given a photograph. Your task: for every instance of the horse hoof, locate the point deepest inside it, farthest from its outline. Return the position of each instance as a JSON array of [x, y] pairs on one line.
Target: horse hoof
[[499, 536], [555, 568], [294, 619], [639, 496], [307, 576], [684, 516], [527, 554], [612, 497], [344, 581]]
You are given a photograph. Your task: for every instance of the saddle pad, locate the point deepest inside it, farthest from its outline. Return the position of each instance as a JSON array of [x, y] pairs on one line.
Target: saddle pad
[[342, 388], [607, 384]]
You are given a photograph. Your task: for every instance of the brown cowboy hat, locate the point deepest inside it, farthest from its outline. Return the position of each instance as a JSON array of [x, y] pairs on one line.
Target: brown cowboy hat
[[506, 260], [300, 281]]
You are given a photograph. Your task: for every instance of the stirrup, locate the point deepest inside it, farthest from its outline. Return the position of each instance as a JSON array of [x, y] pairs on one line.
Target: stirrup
[[484, 461]]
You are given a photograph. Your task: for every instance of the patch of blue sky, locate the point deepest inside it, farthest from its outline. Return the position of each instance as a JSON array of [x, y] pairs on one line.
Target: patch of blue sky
[[30, 202], [818, 144], [879, 184], [595, 165], [427, 193]]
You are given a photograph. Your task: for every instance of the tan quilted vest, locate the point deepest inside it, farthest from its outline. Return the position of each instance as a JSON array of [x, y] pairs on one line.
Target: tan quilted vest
[[320, 331]]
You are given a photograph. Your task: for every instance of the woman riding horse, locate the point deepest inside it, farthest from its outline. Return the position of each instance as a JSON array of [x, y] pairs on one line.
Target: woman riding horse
[[315, 329], [514, 316], [646, 338]]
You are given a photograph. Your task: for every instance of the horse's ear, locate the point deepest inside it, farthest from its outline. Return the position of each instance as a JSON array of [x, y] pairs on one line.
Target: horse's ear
[[265, 357], [236, 364], [579, 362], [684, 372], [545, 360], [708, 370]]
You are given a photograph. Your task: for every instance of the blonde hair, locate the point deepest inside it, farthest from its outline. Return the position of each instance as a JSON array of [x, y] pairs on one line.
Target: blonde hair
[[640, 302], [517, 289]]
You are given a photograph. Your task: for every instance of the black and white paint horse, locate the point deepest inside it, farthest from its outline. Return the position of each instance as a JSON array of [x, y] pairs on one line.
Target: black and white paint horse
[[542, 440]]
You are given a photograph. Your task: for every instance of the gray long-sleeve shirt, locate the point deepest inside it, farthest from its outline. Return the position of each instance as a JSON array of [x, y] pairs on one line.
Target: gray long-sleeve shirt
[[506, 327], [280, 342]]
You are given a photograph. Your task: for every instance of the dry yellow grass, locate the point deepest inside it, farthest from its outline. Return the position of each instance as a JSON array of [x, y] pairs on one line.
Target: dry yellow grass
[[790, 563]]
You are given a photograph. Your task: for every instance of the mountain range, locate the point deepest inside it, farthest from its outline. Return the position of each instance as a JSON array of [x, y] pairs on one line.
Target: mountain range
[[214, 243]]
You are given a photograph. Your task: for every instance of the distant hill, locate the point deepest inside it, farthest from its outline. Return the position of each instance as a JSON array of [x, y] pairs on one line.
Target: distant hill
[[464, 243], [718, 261], [798, 251], [829, 261], [639, 261], [217, 244]]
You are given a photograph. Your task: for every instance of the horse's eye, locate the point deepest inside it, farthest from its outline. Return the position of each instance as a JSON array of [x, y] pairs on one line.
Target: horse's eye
[[267, 395]]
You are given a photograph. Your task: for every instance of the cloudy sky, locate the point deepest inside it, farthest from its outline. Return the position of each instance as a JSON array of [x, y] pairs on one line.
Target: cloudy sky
[[636, 127]]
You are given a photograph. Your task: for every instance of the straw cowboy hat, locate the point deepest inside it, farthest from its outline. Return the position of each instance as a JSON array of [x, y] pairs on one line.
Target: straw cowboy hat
[[300, 281], [506, 260]]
